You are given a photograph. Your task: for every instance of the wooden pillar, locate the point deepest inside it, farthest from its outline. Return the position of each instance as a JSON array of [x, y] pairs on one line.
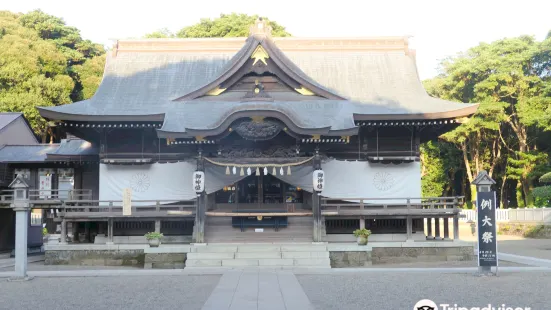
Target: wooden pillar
[[437, 229], [316, 204], [446, 229], [63, 239], [74, 229], [409, 228], [110, 231], [456, 227], [199, 227], [429, 229], [362, 218]]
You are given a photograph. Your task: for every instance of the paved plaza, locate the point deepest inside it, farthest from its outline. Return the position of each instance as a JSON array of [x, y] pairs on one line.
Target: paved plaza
[[270, 289], [524, 277]]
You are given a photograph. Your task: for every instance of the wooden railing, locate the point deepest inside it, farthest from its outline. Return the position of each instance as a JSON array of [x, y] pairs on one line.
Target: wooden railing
[[432, 206], [95, 209], [51, 195]]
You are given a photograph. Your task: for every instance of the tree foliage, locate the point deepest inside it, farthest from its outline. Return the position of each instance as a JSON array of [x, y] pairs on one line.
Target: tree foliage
[[228, 25], [44, 62], [510, 79]]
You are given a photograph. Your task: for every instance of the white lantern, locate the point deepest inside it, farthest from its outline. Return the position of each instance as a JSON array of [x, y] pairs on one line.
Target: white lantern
[[199, 181], [319, 180]]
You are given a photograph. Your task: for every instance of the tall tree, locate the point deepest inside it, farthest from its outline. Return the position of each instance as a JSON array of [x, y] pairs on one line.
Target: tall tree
[[228, 25], [43, 62], [510, 79]]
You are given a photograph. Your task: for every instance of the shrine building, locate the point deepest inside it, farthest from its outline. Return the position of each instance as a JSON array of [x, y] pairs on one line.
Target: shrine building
[[257, 139]]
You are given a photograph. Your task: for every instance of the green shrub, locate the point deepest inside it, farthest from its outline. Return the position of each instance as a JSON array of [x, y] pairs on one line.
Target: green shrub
[[534, 231], [44, 231], [153, 235], [362, 233]]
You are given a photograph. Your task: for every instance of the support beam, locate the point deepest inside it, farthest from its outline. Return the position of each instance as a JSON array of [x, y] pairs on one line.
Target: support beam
[[110, 231], [316, 204], [199, 227], [429, 229], [21, 232], [409, 228], [437, 229], [157, 226], [446, 229], [456, 227], [362, 222], [63, 231], [316, 210]]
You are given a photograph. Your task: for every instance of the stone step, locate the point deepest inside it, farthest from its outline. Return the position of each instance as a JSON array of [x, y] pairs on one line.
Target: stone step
[[214, 249], [211, 255], [305, 254], [258, 255], [304, 248], [203, 263], [275, 262], [240, 262], [258, 248]]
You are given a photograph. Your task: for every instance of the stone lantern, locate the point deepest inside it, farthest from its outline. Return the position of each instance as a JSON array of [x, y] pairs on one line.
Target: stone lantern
[[21, 207]]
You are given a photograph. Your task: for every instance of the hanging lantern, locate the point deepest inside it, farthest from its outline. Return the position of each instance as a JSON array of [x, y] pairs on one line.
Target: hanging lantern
[[281, 171], [319, 180], [265, 171], [274, 172], [199, 181], [227, 169], [288, 170], [234, 170], [241, 173], [257, 171], [249, 171]]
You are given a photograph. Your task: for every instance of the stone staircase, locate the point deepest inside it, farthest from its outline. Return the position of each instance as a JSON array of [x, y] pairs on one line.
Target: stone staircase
[[220, 230], [296, 255]]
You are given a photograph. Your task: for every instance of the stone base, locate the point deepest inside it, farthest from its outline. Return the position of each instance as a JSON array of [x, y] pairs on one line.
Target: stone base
[[350, 259], [387, 255], [95, 257], [165, 260]]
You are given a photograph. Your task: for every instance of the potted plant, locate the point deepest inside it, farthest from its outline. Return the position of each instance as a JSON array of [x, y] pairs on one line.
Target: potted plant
[[362, 235], [154, 239], [44, 235]]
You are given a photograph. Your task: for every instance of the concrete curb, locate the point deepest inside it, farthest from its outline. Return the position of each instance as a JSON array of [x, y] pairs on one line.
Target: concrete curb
[[11, 261], [220, 271], [526, 260]]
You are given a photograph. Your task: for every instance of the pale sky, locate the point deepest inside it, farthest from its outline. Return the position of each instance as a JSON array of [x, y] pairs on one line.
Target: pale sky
[[439, 28]]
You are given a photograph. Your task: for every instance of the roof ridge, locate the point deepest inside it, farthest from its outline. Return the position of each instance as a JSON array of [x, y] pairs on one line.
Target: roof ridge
[[386, 43]]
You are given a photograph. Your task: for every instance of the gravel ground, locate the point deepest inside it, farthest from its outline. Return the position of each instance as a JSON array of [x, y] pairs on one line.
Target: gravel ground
[[98, 293], [402, 290]]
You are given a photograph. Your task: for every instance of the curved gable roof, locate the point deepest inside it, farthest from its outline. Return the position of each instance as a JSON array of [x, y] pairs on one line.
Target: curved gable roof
[[376, 77]]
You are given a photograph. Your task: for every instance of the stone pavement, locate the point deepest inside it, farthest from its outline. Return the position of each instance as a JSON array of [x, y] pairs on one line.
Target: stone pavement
[[260, 289], [539, 248]]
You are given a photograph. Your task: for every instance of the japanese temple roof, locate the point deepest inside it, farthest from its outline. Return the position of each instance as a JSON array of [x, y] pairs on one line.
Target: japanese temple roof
[[372, 79], [66, 150], [8, 118]]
